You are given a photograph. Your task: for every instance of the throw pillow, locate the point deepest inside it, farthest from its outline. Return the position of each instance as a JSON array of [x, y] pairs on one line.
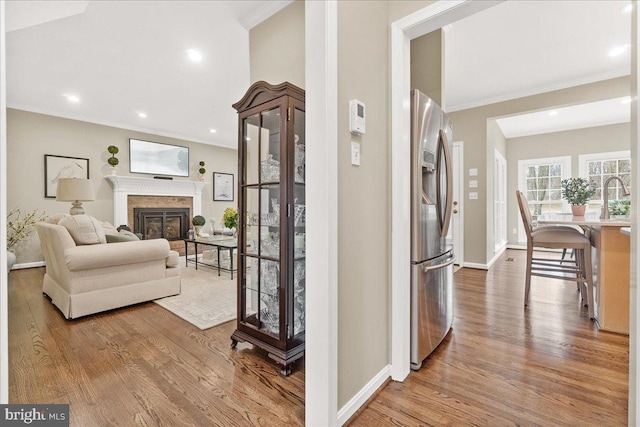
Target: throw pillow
[[128, 234], [84, 229], [55, 219], [119, 238], [108, 228]]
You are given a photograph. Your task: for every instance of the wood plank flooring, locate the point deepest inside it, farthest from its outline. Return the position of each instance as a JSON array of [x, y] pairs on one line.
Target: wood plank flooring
[[141, 365], [504, 365], [500, 365]]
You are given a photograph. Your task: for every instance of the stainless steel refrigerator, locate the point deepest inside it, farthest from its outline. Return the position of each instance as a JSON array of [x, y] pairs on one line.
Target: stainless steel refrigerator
[[431, 205]]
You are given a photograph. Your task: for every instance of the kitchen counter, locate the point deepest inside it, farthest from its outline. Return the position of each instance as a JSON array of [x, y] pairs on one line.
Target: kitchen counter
[[610, 260], [626, 231]]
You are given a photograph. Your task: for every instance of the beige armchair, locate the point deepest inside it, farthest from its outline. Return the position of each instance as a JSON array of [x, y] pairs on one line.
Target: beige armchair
[[87, 279]]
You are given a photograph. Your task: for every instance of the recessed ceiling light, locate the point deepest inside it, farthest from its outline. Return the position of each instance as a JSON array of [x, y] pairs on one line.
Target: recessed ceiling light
[[626, 100], [72, 98], [618, 50], [628, 8], [553, 113], [142, 115], [212, 130], [194, 55]]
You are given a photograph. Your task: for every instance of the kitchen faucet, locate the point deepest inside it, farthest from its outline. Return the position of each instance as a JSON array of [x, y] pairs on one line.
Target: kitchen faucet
[[605, 195]]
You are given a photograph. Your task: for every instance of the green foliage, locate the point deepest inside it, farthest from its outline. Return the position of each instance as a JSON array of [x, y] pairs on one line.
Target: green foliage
[[620, 207], [577, 191], [113, 160], [199, 220], [230, 218], [19, 228]]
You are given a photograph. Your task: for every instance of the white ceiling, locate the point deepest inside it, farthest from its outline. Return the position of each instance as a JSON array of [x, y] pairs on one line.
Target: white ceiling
[[121, 58]]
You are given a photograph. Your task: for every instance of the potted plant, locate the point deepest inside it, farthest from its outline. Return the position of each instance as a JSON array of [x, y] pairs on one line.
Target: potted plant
[[198, 223], [201, 170], [113, 160], [230, 218], [577, 192], [19, 228]]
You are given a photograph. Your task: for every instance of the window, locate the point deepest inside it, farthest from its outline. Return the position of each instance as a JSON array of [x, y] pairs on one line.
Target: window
[[540, 180], [599, 167]]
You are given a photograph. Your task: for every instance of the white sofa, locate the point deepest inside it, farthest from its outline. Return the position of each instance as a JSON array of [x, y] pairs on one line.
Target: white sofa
[[90, 278]]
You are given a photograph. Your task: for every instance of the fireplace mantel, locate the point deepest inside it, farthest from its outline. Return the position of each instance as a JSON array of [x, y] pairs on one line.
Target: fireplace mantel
[[123, 186]]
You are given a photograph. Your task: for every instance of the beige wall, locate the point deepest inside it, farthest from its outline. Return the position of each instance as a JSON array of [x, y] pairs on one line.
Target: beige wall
[[363, 198], [568, 143], [30, 136], [426, 65], [276, 47], [470, 126], [398, 9]]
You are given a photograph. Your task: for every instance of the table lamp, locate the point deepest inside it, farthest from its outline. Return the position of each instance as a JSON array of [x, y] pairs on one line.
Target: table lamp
[[76, 191]]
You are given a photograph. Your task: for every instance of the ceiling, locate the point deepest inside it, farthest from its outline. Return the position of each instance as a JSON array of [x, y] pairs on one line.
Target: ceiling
[[124, 58]]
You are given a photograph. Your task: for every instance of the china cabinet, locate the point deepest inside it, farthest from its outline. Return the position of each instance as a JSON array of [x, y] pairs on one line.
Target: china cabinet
[[271, 235]]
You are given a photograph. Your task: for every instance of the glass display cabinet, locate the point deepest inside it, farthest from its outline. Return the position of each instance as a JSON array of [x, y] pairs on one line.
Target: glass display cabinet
[[271, 234]]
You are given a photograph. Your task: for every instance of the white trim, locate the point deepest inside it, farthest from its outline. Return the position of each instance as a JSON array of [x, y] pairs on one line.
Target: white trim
[[125, 126], [476, 265], [517, 246], [363, 395], [460, 249], [321, 76], [124, 186], [402, 31], [28, 265], [497, 255], [500, 199], [4, 318], [540, 89], [264, 11], [583, 159]]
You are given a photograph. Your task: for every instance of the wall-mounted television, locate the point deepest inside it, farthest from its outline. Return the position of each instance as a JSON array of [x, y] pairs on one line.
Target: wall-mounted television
[[158, 159]]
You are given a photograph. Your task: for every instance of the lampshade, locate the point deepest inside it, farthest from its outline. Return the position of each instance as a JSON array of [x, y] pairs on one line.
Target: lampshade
[[75, 190]]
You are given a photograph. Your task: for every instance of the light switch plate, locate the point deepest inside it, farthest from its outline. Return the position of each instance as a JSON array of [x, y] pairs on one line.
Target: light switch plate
[[473, 196], [473, 172], [355, 153], [473, 183]]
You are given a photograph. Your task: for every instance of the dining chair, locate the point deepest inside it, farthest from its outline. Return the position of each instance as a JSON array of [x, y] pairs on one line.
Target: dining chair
[[557, 237]]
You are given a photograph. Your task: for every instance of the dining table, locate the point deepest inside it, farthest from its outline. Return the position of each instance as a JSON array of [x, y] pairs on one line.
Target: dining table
[[610, 257]]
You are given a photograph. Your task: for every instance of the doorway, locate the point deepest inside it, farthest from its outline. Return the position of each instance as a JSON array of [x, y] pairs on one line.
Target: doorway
[[456, 231]]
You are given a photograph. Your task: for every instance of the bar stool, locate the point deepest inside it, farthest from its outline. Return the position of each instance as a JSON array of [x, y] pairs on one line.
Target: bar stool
[[557, 237]]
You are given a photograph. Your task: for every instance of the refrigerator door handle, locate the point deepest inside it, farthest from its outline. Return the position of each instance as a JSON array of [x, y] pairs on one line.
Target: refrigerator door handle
[[446, 220], [447, 263]]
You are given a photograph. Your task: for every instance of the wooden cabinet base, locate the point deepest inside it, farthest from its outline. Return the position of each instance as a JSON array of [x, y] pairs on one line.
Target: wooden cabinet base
[[284, 358], [611, 262]]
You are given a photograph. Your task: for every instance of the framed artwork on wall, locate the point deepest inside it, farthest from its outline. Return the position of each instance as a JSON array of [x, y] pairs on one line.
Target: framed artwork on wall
[[223, 187], [56, 167]]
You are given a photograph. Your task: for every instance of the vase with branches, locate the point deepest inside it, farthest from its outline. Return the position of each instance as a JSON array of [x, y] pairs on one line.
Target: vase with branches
[[19, 227]]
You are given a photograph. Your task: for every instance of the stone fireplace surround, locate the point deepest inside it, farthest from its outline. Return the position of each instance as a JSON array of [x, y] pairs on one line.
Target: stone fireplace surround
[[130, 192]]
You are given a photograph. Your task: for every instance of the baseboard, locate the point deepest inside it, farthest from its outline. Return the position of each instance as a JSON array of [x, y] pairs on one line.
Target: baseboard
[[476, 265], [496, 256], [363, 395], [28, 265]]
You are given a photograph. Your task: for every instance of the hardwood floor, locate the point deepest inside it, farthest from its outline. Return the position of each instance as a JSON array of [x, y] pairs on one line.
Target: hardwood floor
[[141, 365], [501, 364], [504, 365]]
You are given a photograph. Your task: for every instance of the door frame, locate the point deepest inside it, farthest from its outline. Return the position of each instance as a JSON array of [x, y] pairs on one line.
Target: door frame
[[458, 232], [431, 18]]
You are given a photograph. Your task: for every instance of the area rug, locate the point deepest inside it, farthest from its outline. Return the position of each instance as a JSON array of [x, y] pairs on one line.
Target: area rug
[[206, 299]]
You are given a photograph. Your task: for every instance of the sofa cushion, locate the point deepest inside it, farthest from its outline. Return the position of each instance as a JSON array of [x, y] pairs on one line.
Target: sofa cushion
[[128, 234], [55, 218], [84, 229], [108, 228]]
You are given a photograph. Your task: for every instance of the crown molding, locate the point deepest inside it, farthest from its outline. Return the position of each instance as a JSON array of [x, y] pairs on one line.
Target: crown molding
[[263, 12], [540, 89]]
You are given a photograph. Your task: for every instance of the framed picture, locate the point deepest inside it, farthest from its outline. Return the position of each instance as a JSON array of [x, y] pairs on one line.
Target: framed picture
[[56, 167], [222, 187]]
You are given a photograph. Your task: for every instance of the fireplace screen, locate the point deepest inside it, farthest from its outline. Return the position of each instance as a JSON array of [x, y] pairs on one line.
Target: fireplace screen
[[158, 223]]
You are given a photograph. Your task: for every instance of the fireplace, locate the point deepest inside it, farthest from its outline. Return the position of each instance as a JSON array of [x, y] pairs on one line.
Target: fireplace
[[156, 223]]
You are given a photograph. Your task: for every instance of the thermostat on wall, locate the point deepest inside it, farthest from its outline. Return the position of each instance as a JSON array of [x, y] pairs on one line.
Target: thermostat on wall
[[356, 117]]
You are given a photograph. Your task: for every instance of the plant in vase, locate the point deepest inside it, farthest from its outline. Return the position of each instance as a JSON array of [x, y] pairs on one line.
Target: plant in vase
[[198, 222], [19, 227], [577, 192], [230, 219], [113, 160], [201, 170]]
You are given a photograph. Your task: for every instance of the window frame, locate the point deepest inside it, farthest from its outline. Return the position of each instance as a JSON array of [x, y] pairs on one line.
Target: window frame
[[584, 159], [522, 182]]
